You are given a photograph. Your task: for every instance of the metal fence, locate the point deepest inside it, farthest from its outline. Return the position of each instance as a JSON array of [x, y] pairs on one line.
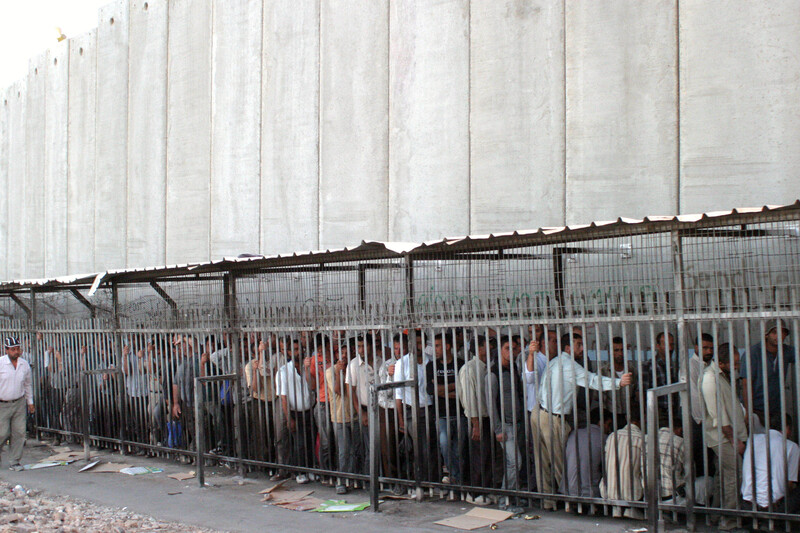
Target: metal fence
[[524, 343]]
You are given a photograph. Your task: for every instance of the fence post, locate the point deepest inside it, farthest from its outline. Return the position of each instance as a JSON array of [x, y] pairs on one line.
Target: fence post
[[121, 395], [198, 432], [374, 448], [37, 361], [84, 413], [651, 453], [232, 319], [683, 351]]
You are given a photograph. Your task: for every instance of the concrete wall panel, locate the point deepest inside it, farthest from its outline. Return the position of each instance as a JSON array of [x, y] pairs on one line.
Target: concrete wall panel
[[55, 166], [290, 127], [188, 131], [81, 153], [517, 115], [111, 180], [621, 109], [147, 133], [429, 117], [740, 111], [16, 180], [236, 128], [32, 226], [354, 121], [5, 94]]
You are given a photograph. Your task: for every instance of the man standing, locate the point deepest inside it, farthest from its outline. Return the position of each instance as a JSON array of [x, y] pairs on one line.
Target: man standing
[[725, 428], [549, 424], [764, 364], [15, 390]]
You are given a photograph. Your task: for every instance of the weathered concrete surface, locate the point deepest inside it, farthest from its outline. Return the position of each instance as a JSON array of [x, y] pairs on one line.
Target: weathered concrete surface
[[111, 179], [188, 131], [354, 121], [17, 97], [147, 133], [54, 220], [516, 115], [5, 95], [740, 111], [236, 128], [32, 241], [429, 117], [290, 126], [621, 115], [81, 153]]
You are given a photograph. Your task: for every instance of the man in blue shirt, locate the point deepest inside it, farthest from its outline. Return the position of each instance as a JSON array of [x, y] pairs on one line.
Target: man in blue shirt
[[753, 371]]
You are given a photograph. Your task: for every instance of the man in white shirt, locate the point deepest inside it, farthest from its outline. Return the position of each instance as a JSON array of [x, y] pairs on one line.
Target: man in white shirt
[[297, 402], [425, 430], [15, 391], [549, 423], [782, 471]]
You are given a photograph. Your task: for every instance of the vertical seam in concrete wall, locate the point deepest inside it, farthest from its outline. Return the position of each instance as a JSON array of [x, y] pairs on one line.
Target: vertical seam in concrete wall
[[261, 133], [43, 184], [66, 188], [166, 134], [319, 125], [389, 237], [469, 117], [564, 109], [211, 92], [678, 106]]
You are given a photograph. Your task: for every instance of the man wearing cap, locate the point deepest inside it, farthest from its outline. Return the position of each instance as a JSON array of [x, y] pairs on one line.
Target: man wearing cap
[[767, 358], [15, 390]]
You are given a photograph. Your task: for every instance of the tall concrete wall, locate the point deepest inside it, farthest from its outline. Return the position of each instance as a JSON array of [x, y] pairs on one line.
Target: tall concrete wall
[[184, 130]]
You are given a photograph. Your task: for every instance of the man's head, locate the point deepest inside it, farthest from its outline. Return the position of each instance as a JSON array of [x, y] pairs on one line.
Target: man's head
[[506, 347], [665, 344], [442, 347], [776, 423], [704, 347], [552, 344], [400, 344], [727, 354], [572, 344], [535, 332], [775, 335], [13, 348], [618, 349], [179, 344]]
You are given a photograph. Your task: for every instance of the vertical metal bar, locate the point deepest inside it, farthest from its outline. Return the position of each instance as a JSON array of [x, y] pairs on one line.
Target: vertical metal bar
[[38, 363], [198, 437], [374, 448], [232, 325], [683, 354], [84, 413], [117, 349], [652, 460]]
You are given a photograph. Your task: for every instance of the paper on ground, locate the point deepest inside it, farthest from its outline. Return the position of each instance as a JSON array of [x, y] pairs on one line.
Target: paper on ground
[[48, 464], [287, 496], [137, 470], [182, 476], [274, 487], [476, 518], [66, 456], [107, 467], [306, 504], [340, 506], [89, 466]]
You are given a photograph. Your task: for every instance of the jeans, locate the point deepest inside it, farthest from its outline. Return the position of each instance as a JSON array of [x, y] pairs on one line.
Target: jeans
[[452, 433], [347, 435]]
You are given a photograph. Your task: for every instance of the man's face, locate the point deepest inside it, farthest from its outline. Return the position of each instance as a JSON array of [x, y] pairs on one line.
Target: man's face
[[360, 349], [736, 359], [775, 336], [619, 353], [438, 347], [179, 345], [14, 353], [707, 351], [505, 353], [552, 344], [577, 348], [661, 346], [398, 349], [419, 345]]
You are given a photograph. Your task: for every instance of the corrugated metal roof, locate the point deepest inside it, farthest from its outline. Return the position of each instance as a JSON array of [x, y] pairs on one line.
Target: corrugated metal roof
[[389, 248]]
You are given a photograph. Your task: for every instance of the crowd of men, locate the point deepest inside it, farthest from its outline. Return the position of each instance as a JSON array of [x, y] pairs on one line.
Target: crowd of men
[[470, 409]]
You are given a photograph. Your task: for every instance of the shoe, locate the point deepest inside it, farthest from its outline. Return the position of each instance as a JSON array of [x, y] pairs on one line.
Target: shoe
[[280, 476], [341, 489], [477, 500], [446, 479], [301, 479], [15, 467], [399, 490], [312, 477]]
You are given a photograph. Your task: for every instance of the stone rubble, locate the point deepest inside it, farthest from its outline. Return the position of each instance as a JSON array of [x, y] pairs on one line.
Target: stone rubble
[[23, 511]]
